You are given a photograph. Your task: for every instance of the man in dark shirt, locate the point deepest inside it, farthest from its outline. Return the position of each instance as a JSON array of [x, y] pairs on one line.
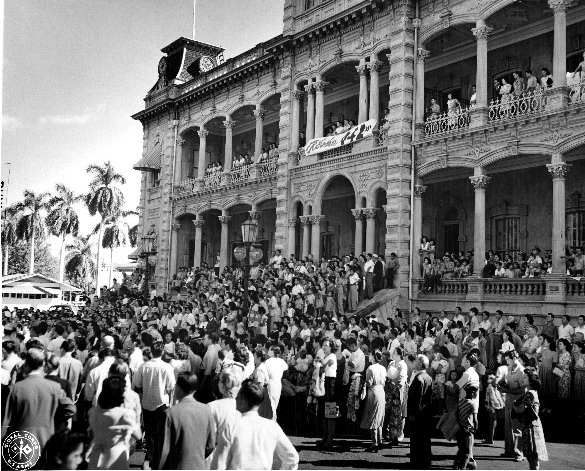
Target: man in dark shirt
[[392, 266], [419, 407]]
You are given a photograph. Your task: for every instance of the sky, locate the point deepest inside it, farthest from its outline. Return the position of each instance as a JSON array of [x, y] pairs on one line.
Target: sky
[[75, 70]]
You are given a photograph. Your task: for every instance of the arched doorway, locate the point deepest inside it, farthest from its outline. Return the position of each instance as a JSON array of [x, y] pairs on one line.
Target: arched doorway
[[338, 228], [210, 238]]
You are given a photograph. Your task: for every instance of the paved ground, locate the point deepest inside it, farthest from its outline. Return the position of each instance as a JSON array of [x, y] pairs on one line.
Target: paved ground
[[349, 454]]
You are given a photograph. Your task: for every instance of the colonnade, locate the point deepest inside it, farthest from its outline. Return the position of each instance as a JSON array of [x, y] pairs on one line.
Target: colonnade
[[482, 33], [369, 101], [558, 170]]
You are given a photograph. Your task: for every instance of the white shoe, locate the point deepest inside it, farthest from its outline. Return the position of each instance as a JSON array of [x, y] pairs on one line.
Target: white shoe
[[146, 465]]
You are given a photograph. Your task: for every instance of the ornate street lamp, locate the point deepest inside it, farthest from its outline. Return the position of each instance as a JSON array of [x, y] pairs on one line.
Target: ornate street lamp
[[148, 250], [248, 255]]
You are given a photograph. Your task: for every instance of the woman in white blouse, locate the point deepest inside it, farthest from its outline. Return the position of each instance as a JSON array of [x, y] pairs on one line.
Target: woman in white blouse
[[396, 397], [373, 416], [275, 366]]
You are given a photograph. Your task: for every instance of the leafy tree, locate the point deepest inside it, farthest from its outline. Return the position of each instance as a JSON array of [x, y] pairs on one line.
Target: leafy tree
[[31, 221], [44, 263], [80, 264], [62, 219], [9, 238], [104, 198]]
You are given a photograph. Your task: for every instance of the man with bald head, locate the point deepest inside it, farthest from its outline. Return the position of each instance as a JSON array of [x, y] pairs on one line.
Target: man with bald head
[[420, 396]]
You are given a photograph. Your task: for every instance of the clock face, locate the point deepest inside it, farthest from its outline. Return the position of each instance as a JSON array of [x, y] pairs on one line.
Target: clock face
[[206, 64]]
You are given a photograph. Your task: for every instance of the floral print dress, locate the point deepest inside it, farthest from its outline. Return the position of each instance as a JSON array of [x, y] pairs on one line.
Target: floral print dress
[[565, 380], [533, 442]]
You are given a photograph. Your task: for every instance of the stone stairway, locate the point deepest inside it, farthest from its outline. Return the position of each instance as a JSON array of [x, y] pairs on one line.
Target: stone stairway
[[381, 305]]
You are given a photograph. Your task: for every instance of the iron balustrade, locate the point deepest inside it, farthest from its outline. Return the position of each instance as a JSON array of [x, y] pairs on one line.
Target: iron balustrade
[[447, 122], [512, 106]]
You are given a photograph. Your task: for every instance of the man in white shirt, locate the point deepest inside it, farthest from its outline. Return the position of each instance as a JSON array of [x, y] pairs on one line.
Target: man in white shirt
[[277, 260], [95, 379], [458, 316], [566, 330], [393, 341], [352, 296], [55, 344], [357, 359], [470, 376], [369, 273], [253, 442], [155, 380], [581, 326], [297, 288]]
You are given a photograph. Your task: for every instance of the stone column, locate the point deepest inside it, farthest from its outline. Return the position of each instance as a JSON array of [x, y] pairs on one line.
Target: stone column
[[259, 113], [359, 236], [178, 160], [558, 170], [316, 236], [229, 124], [224, 249], [296, 116], [320, 86], [479, 182], [481, 32], [174, 242], [420, 85], [310, 131], [370, 214], [362, 70], [202, 157], [560, 41], [198, 223], [306, 235], [417, 229], [375, 67], [292, 235]]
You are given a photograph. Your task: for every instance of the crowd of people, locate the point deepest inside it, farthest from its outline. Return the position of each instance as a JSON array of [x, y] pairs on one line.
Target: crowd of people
[[131, 372], [452, 265]]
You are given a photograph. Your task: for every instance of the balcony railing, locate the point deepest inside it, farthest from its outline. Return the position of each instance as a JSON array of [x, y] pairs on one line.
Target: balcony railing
[[575, 288], [337, 151], [239, 174], [513, 287], [453, 287], [269, 166], [512, 106], [577, 88], [447, 122], [187, 186], [212, 180]]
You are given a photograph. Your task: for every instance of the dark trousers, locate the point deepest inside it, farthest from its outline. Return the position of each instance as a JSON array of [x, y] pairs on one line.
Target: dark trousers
[[464, 449], [369, 285], [154, 423], [390, 277], [420, 441]]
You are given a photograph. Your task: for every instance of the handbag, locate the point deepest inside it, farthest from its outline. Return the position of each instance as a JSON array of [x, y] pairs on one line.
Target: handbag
[[331, 410], [558, 372]]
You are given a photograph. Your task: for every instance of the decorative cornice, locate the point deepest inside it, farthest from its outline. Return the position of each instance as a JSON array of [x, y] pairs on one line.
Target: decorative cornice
[[375, 66], [198, 223], [419, 190], [556, 136], [316, 219], [224, 219], [259, 114], [357, 214], [203, 133], [362, 69], [308, 89], [560, 6], [558, 171], [480, 182], [228, 124], [370, 213]]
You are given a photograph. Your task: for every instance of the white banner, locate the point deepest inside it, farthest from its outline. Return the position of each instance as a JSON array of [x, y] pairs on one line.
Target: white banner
[[322, 144]]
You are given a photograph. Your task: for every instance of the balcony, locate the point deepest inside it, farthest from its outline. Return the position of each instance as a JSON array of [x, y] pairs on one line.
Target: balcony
[[448, 122], [217, 181], [514, 106]]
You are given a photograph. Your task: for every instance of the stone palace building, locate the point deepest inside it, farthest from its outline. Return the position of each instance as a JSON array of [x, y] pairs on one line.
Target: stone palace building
[[505, 175]]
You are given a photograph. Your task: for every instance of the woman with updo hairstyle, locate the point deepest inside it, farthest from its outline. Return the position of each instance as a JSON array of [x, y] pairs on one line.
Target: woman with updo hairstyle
[[528, 405], [564, 382], [373, 416], [112, 426]]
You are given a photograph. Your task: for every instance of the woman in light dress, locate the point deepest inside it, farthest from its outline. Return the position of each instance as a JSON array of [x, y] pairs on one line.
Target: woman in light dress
[[261, 376], [275, 366], [505, 97], [112, 427], [396, 396], [373, 416], [564, 382], [453, 107]]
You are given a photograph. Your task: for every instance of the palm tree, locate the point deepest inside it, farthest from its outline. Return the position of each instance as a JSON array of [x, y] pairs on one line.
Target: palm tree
[[104, 199], [80, 264], [9, 223], [62, 219], [31, 223], [115, 234]]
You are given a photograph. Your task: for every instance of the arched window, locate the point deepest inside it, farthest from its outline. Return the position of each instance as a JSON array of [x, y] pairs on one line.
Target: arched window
[[575, 222]]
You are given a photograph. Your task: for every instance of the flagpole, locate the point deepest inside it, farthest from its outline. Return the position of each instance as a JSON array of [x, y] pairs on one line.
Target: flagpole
[[194, 8]]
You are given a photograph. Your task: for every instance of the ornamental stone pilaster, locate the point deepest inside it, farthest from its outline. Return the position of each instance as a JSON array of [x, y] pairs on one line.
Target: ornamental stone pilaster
[[479, 182]]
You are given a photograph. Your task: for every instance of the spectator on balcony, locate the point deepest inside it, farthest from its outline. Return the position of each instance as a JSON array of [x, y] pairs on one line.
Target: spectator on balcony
[[302, 139], [509, 273], [531, 82], [505, 91], [546, 80], [386, 119], [338, 127], [580, 67], [497, 87], [351, 124], [273, 150], [500, 271], [473, 99], [518, 83], [578, 258], [434, 110], [453, 108], [448, 267], [427, 272]]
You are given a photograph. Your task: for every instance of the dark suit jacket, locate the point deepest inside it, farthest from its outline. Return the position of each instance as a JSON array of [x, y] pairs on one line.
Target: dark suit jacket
[[420, 396], [32, 405], [189, 435]]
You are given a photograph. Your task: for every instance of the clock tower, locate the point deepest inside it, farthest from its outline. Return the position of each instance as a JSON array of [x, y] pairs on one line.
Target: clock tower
[[186, 59]]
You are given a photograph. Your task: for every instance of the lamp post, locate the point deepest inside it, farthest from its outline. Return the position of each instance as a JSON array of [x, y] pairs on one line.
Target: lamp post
[[147, 251], [248, 255]]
